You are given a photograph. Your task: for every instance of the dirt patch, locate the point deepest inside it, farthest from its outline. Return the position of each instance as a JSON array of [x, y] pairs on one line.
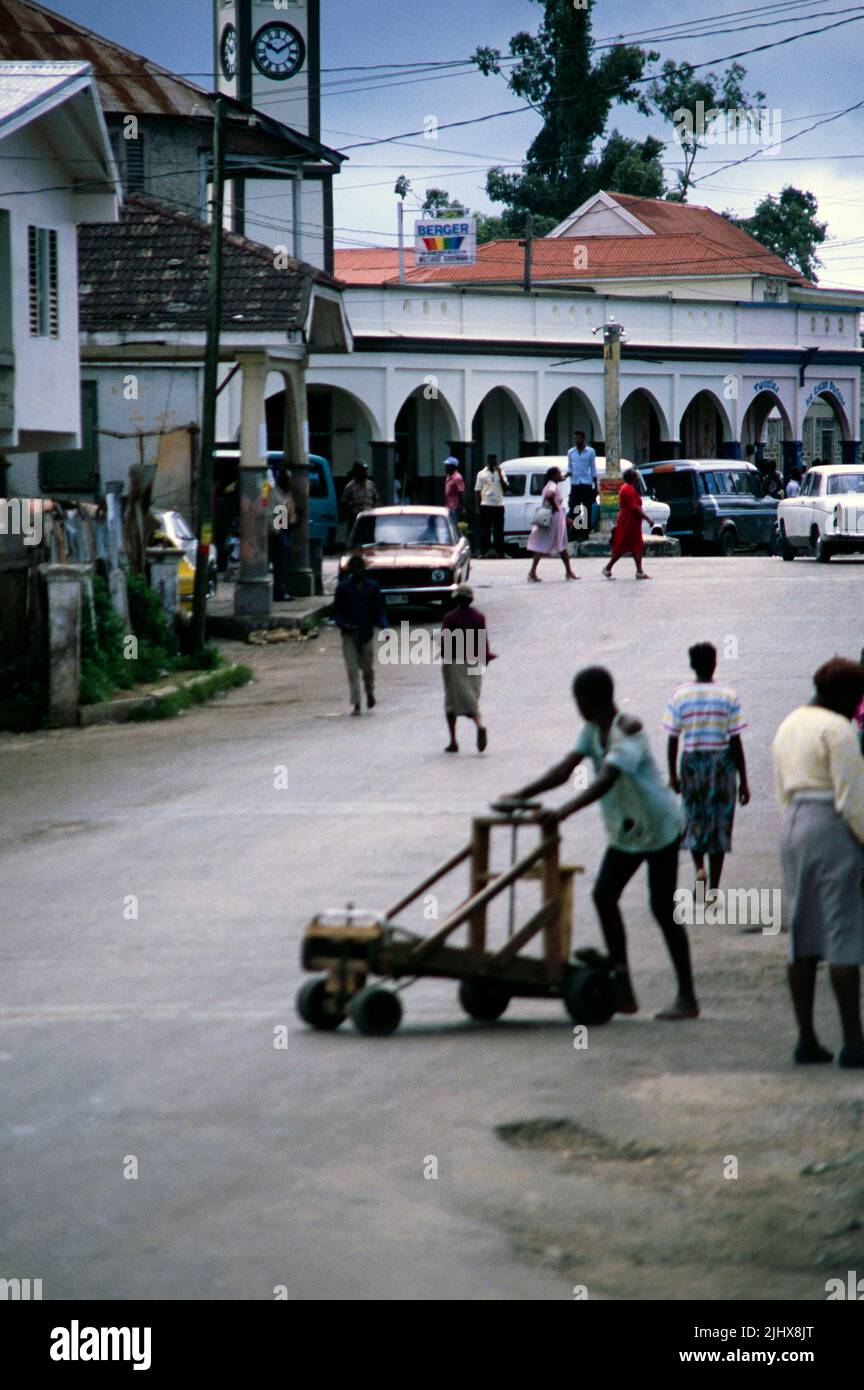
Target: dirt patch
[[571, 1140]]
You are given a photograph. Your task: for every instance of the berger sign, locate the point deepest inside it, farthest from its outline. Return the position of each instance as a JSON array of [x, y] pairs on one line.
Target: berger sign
[[446, 241]]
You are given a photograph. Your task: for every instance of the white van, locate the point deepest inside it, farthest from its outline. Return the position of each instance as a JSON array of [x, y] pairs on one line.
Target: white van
[[526, 478]]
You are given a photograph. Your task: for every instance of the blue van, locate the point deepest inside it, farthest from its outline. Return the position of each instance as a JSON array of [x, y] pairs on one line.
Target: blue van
[[323, 509]]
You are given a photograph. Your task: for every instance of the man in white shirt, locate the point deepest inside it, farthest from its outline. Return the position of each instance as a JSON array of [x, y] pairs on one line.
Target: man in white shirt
[[793, 485], [489, 488], [582, 466]]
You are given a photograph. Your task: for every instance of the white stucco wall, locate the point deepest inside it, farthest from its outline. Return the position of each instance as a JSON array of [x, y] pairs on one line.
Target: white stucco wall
[[47, 397]]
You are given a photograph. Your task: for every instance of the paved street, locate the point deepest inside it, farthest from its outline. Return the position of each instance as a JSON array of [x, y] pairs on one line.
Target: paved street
[[153, 1037]]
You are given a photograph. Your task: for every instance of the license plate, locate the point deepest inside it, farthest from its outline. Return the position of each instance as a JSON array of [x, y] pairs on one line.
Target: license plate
[[396, 598]]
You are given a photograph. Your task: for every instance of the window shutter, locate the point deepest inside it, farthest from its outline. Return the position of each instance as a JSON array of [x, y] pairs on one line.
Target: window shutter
[[136, 178], [43, 282], [53, 305]]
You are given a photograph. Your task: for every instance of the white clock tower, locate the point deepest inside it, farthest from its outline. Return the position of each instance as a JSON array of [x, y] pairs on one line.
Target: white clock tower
[[268, 55]]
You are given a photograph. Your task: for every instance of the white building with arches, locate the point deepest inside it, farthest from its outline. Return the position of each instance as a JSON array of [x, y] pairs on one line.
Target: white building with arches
[[728, 351]]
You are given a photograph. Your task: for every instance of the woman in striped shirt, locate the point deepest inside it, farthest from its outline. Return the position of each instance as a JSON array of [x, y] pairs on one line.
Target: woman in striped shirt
[[704, 721]]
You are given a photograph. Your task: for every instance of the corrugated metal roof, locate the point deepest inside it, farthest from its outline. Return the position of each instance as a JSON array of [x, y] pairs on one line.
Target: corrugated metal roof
[[127, 82], [27, 86]]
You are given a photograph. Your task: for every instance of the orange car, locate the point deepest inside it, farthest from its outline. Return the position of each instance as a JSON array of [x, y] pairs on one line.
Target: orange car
[[416, 554]]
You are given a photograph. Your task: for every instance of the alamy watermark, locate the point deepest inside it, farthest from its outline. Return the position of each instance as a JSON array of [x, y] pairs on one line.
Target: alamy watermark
[[740, 125], [21, 516], [722, 907], [404, 646]]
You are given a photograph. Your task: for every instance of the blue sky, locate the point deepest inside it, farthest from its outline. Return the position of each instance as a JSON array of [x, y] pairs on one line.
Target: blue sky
[[804, 81]]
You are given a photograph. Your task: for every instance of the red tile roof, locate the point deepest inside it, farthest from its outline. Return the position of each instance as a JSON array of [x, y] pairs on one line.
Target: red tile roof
[[369, 265], [684, 240], [634, 257]]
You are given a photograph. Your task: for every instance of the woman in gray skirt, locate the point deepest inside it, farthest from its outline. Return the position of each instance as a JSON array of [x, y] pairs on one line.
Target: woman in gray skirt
[[820, 783], [464, 657]]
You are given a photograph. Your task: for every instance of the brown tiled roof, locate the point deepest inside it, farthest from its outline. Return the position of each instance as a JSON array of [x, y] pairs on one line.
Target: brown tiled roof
[[136, 85], [148, 273]]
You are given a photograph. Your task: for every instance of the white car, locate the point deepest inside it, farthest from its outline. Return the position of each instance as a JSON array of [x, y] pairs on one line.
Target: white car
[[526, 478], [827, 516]]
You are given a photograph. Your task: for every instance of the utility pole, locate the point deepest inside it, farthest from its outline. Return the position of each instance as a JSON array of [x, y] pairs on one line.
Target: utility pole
[[528, 244], [211, 374], [400, 216], [611, 393]]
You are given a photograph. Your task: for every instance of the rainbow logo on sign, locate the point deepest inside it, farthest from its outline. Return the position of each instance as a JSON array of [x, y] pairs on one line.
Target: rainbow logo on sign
[[442, 243], [445, 243]]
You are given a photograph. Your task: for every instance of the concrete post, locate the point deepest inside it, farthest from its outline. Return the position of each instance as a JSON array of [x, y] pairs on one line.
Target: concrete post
[[64, 584], [116, 552], [300, 579], [164, 563], [612, 397], [384, 469], [253, 592]]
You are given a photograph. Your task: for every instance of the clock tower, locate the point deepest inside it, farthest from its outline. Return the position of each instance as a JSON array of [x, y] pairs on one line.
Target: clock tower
[[268, 55]]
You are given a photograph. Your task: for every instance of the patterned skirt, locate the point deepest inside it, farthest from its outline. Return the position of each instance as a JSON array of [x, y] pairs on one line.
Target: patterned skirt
[[709, 786]]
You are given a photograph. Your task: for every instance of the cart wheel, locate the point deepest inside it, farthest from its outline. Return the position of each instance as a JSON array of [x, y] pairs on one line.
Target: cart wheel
[[484, 1000], [376, 1012], [317, 1007], [588, 996]]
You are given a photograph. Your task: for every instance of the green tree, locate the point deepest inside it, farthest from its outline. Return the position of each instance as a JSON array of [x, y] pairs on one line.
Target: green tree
[[555, 73], [692, 103], [789, 227]]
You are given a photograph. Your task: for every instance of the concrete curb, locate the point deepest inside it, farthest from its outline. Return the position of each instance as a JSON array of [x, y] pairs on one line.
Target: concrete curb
[[121, 711], [237, 629]]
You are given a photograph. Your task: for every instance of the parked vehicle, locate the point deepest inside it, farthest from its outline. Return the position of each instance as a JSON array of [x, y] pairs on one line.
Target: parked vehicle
[[173, 529], [827, 516], [323, 509], [526, 478], [416, 554], [715, 503]]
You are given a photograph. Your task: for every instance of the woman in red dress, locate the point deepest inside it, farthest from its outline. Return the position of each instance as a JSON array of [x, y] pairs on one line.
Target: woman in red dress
[[627, 536]]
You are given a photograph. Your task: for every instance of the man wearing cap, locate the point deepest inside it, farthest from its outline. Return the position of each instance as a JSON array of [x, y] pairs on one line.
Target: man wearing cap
[[359, 495], [454, 488]]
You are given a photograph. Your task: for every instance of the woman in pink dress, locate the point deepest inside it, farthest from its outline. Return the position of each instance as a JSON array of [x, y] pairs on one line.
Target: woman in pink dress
[[551, 538], [627, 536]]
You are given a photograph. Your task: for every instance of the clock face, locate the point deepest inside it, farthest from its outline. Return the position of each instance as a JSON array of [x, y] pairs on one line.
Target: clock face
[[228, 51], [278, 51]]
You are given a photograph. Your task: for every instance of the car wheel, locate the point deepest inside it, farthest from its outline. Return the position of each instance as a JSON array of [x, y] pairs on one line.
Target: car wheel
[[728, 541], [821, 551], [785, 548]]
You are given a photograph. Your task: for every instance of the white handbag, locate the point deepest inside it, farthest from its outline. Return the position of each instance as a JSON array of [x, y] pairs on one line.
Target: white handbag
[[543, 515]]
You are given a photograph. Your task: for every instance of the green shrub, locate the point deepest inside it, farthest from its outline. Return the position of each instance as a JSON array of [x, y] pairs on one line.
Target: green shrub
[[103, 666]]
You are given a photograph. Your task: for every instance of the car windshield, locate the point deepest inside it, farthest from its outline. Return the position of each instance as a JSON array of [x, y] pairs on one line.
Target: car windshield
[[845, 482], [402, 530], [668, 487], [184, 533]]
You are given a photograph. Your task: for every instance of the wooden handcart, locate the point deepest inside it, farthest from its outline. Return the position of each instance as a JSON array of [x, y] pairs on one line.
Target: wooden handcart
[[350, 946]]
